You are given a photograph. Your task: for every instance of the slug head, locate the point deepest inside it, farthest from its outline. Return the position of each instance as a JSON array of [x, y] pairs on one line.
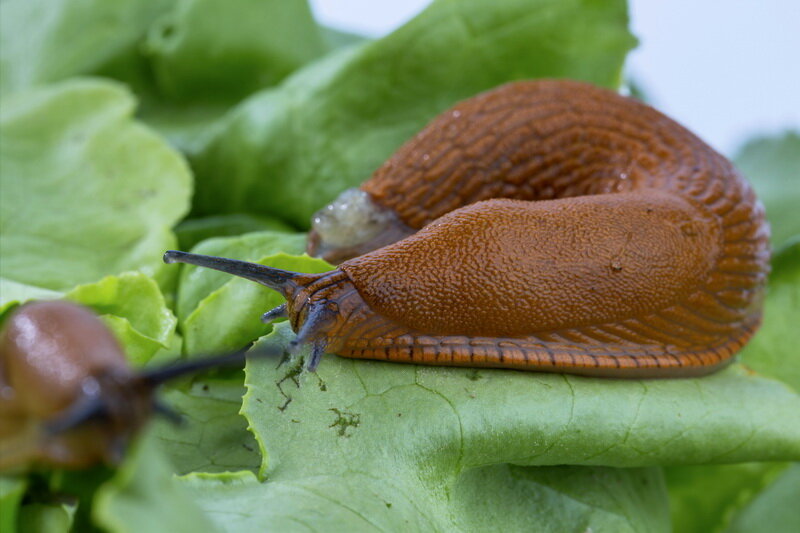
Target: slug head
[[316, 304], [67, 396], [352, 225]]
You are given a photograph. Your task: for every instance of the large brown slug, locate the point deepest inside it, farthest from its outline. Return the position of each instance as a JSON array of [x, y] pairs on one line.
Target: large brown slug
[[544, 225], [67, 395]]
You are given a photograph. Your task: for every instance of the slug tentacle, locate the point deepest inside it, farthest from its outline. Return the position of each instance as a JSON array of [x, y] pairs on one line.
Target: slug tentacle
[[168, 413], [274, 314], [319, 316], [274, 278], [126, 400], [90, 405], [152, 378], [317, 351]]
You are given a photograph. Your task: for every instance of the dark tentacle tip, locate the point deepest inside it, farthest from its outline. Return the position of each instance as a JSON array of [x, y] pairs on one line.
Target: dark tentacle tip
[[294, 347], [172, 256], [274, 314]]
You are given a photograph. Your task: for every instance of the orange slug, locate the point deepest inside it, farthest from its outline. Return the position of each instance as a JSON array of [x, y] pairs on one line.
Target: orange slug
[[67, 395], [544, 225]]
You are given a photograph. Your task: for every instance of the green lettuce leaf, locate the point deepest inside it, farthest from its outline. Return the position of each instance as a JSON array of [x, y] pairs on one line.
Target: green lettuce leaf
[[211, 50], [772, 165], [335, 38], [775, 509], [774, 349], [213, 436], [133, 307], [143, 495], [12, 488], [130, 304], [752, 497], [706, 498], [189, 61], [43, 41], [204, 56], [287, 152], [191, 232], [326, 437], [87, 192], [477, 417], [45, 518], [492, 498], [13, 294]]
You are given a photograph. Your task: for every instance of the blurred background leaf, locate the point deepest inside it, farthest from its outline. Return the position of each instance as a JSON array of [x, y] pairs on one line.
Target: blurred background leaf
[[87, 190], [772, 165], [290, 150]]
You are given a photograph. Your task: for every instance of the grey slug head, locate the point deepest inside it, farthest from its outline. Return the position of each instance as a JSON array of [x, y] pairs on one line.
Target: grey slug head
[[351, 225]]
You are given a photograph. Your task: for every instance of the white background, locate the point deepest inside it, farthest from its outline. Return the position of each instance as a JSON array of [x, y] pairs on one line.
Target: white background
[[726, 69]]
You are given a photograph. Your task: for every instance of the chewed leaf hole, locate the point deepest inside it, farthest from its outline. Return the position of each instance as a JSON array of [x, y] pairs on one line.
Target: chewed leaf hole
[[344, 421]]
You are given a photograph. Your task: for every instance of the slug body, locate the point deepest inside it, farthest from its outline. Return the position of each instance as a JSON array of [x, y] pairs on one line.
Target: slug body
[[545, 225], [67, 395], [56, 357]]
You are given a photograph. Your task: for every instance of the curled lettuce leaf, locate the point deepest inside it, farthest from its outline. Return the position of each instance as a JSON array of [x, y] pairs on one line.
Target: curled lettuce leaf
[[500, 497], [143, 495], [87, 191]]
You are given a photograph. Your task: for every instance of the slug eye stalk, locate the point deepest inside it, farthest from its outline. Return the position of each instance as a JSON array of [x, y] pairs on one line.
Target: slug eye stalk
[[274, 278], [128, 400]]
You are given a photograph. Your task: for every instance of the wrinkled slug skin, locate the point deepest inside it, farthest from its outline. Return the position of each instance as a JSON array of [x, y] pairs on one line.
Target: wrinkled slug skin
[[562, 228]]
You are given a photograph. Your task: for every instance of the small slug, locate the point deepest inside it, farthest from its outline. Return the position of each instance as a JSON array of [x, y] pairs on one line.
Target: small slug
[[67, 395], [544, 225]]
